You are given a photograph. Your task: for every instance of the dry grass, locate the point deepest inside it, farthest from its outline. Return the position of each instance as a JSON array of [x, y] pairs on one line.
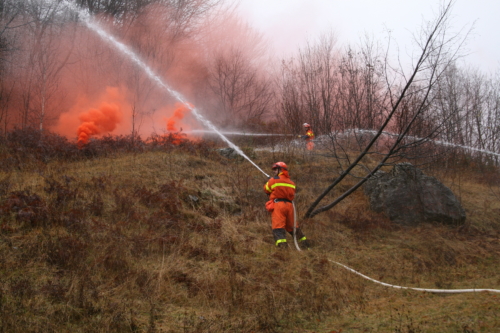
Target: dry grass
[[180, 242]]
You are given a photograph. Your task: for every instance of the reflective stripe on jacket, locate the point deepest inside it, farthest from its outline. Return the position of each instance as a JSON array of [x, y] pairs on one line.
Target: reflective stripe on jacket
[[280, 187]]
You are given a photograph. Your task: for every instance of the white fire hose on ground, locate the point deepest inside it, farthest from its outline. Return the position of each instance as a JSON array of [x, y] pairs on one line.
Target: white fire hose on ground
[[442, 291], [295, 227]]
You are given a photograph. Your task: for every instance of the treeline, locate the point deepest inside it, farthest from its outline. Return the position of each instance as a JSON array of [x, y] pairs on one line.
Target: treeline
[[351, 89], [203, 49]]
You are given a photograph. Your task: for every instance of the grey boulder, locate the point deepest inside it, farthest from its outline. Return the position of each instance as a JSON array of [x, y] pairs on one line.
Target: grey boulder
[[409, 197]]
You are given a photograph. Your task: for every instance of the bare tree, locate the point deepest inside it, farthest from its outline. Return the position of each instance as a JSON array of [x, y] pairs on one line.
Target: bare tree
[[468, 101], [331, 90], [10, 26], [437, 51], [10, 13], [6, 94], [40, 60], [48, 65], [451, 99], [242, 94], [178, 18], [308, 87], [142, 89], [361, 94], [492, 117]]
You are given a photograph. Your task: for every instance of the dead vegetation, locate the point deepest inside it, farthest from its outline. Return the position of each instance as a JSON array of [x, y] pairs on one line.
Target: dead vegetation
[[176, 239]]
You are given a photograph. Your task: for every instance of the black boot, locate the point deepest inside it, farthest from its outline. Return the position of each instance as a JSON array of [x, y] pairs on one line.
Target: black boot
[[282, 245], [305, 244], [301, 239]]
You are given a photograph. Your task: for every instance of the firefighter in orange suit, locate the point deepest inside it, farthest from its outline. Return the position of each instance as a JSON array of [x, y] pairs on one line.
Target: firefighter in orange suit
[[281, 191], [308, 137]]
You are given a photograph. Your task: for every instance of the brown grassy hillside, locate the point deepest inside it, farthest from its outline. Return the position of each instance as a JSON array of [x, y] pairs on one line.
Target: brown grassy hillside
[[178, 240]]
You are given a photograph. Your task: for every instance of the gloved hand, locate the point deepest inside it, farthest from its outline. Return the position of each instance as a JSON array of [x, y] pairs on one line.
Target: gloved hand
[[299, 136]]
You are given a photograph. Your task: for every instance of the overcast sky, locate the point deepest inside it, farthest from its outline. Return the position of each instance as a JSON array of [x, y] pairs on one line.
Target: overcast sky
[[289, 23]]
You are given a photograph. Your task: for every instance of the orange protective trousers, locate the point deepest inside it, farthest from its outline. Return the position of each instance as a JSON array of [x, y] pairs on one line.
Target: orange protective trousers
[[310, 145], [282, 216]]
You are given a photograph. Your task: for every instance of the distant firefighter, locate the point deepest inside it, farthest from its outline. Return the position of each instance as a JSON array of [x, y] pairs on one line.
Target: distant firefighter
[[309, 136]]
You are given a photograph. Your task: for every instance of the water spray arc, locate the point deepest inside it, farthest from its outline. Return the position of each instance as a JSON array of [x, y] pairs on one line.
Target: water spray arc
[[87, 19], [443, 143], [237, 133]]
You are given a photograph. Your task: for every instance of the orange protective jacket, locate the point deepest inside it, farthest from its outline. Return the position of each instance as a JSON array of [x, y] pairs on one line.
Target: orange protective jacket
[[309, 134], [281, 187], [309, 139]]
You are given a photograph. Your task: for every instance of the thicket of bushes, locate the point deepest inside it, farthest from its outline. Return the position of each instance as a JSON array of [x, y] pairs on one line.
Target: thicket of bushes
[[22, 148]]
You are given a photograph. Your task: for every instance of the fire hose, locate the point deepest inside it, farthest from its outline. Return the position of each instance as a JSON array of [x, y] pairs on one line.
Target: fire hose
[[295, 227], [442, 291]]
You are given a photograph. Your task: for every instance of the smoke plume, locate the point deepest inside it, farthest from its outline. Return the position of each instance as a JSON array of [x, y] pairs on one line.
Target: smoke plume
[[90, 89], [94, 118], [172, 122], [98, 121]]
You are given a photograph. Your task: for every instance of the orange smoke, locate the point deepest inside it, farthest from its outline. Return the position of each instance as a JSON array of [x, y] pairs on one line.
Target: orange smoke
[[179, 112], [90, 116], [98, 121], [172, 123], [111, 113]]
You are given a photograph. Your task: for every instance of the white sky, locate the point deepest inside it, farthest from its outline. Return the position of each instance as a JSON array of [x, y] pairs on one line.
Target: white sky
[[289, 23]]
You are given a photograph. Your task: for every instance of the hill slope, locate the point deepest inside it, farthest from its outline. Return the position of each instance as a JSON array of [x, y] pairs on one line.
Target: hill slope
[[179, 241]]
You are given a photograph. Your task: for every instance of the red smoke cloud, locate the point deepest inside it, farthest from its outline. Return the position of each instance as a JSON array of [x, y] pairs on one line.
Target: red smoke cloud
[[183, 56], [173, 123], [107, 114], [98, 121], [180, 110], [111, 113]]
